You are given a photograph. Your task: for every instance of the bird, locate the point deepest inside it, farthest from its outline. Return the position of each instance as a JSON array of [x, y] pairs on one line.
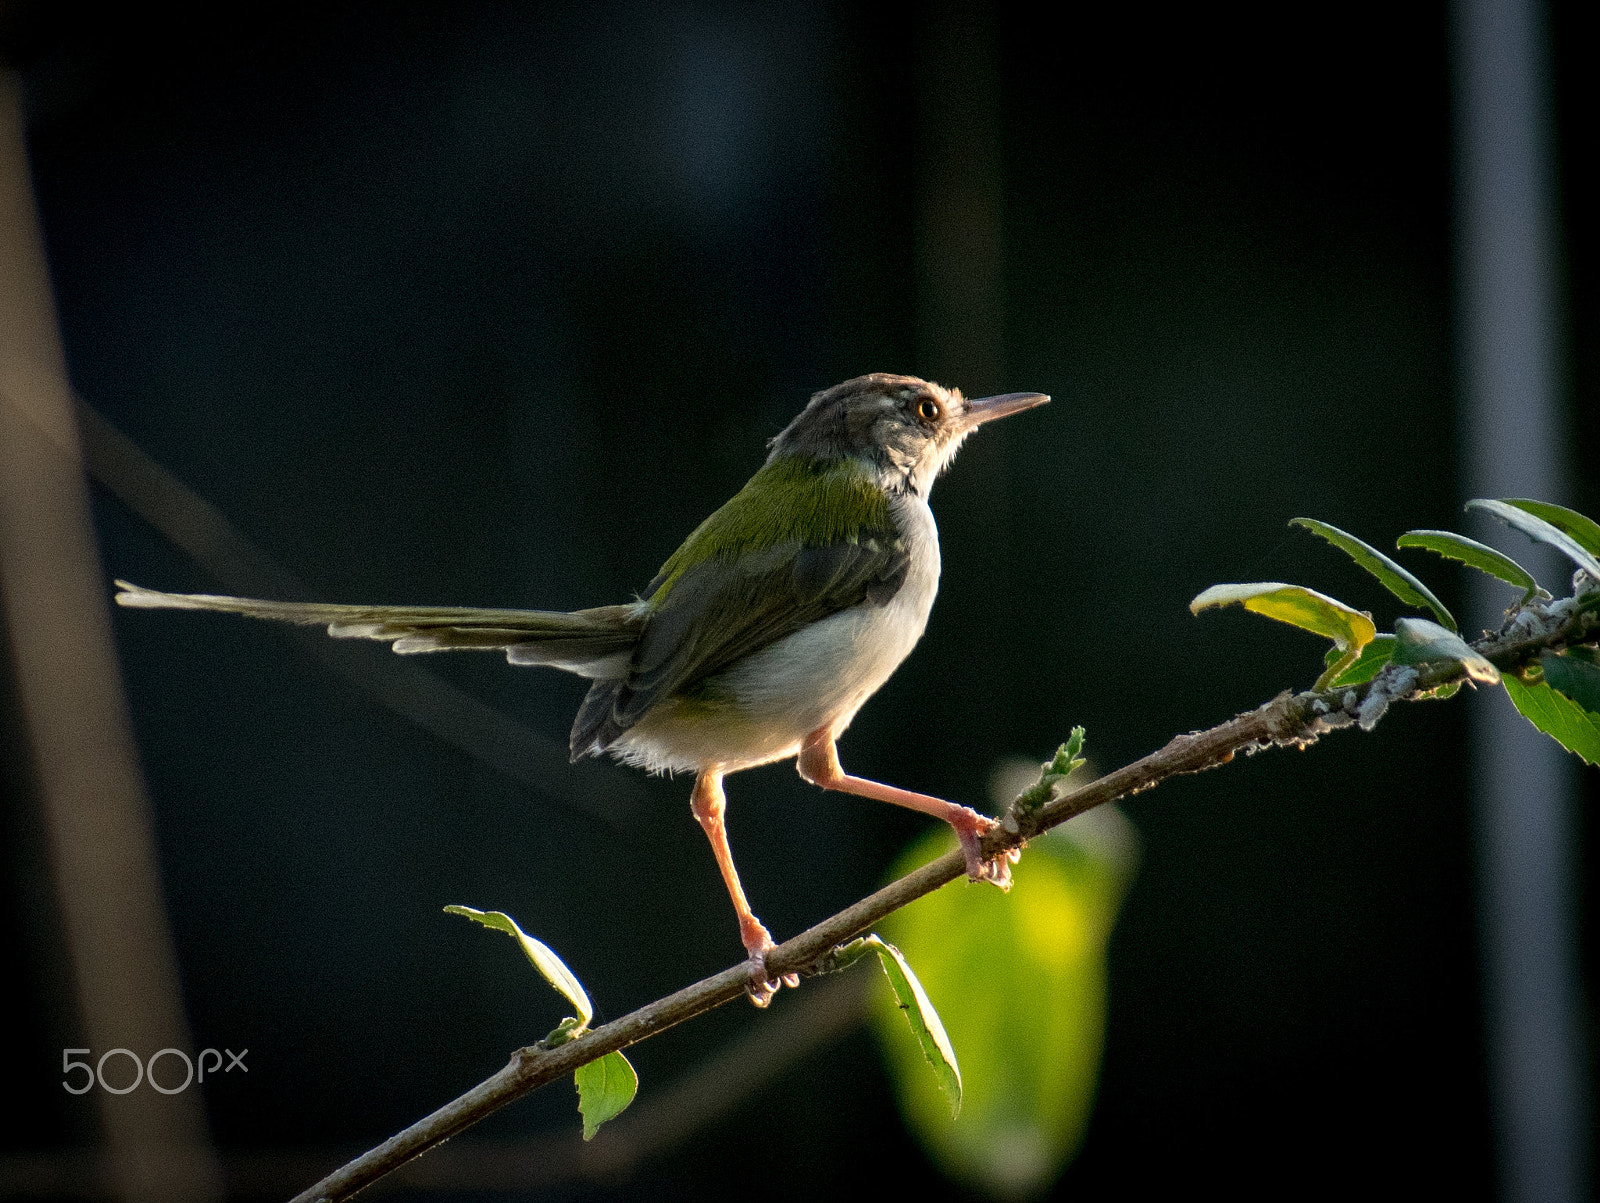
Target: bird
[[761, 636]]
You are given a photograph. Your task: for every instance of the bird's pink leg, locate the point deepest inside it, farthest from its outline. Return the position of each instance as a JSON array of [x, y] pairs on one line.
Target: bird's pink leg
[[819, 764], [708, 803]]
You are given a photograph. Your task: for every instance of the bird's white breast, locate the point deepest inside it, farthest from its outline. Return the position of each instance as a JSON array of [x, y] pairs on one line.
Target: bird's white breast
[[817, 677]]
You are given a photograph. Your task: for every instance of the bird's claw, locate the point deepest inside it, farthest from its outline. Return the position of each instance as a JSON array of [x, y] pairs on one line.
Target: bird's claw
[[762, 985], [971, 827]]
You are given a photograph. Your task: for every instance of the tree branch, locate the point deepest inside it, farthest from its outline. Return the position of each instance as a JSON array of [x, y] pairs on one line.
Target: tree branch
[[1288, 719]]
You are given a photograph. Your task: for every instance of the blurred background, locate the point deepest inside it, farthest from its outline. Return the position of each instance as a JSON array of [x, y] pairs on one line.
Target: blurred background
[[490, 304]]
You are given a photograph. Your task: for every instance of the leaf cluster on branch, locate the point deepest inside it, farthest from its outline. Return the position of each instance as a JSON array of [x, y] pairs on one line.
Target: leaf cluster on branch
[[1557, 689]]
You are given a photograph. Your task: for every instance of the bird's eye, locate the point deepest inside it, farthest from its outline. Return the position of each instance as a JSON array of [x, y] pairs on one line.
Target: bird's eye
[[928, 409]]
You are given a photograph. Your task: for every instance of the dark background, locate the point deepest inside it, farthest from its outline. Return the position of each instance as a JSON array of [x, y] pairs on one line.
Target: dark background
[[490, 304]]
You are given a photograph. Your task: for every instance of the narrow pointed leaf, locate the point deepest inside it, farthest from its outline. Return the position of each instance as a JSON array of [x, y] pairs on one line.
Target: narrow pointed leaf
[[544, 960], [924, 1021], [1418, 641], [1475, 555], [1294, 604], [1576, 674], [1558, 716], [1584, 531], [1538, 529], [1390, 575], [605, 1088], [1366, 665]]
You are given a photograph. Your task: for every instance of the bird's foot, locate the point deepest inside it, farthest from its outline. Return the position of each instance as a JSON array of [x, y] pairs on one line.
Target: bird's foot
[[971, 827], [758, 942]]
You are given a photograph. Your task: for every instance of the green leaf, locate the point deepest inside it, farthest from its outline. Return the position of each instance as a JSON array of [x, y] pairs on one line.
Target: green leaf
[[605, 1088], [1558, 716], [1583, 530], [1298, 606], [544, 960], [1390, 575], [1372, 658], [1350, 630], [1539, 529], [1020, 980], [1475, 555], [1575, 673], [1418, 641], [910, 997]]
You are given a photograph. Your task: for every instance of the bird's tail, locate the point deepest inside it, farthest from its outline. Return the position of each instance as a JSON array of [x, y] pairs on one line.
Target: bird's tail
[[591, 643]]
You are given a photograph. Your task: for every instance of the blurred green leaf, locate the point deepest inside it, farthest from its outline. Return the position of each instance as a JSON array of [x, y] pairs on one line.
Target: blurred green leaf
[[1558, 716], [544, 960], [1576, 673], [1583, 530], [1372, 658], [1393, 577], [1418, 641], [1539, 529], [1020, 980], [1475, 555], [923, 1020], [605, 1088]]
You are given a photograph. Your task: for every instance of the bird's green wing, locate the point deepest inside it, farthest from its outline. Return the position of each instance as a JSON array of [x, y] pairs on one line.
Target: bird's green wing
[[727, 607], [793, 501], [529, 636]]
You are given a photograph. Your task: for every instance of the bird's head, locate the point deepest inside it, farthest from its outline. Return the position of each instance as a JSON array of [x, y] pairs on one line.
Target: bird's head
[[906, 428]]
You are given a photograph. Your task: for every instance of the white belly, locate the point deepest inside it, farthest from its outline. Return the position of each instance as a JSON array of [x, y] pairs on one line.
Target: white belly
[[817, 677]]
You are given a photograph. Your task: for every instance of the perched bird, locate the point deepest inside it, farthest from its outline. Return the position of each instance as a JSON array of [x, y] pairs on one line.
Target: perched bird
[[762, 635]]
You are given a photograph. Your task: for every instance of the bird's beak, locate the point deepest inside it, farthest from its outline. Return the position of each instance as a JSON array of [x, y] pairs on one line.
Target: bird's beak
[[987, 409]]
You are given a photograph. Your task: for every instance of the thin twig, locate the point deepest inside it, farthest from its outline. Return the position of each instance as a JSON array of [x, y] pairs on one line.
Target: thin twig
[[1288, 720]]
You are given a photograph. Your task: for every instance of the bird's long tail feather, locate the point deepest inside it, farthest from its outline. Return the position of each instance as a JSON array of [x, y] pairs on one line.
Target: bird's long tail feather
[[592, 643]]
